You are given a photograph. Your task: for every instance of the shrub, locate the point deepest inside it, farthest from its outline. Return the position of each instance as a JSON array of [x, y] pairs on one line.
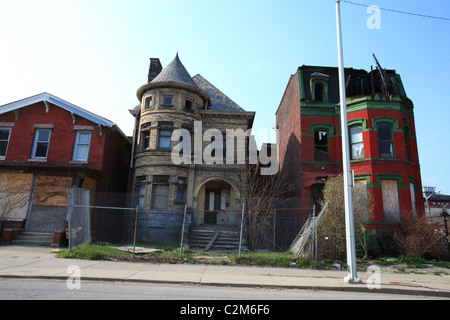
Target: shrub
[[423, 238], [331, 230]]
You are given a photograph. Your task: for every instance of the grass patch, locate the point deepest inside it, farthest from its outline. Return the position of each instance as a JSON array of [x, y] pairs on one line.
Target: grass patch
[[172, 255], [274, 259], [93, 252]]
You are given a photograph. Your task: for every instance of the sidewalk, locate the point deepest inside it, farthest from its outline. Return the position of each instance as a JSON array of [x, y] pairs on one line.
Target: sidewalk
[[41, 263]]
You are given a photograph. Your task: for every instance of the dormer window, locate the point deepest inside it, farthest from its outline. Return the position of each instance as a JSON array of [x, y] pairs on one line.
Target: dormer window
[[318, 91], [319, 87]]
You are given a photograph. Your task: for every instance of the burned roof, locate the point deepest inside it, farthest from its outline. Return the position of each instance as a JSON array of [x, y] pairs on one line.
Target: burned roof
[[358, 81]]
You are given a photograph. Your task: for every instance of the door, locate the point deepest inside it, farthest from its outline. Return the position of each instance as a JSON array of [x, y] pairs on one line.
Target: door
[[212, 204]]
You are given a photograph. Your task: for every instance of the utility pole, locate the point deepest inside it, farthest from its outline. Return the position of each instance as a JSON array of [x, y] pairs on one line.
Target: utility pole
[[348, 178]]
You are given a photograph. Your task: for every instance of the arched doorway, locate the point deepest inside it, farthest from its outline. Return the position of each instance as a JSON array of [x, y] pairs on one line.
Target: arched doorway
[[217, 200]]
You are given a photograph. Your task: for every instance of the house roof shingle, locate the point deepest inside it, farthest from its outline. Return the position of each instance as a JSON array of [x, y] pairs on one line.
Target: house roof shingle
[[219, 100], [175, 72]]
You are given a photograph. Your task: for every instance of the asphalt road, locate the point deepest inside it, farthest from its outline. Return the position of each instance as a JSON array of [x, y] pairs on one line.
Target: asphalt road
[[19, 289]]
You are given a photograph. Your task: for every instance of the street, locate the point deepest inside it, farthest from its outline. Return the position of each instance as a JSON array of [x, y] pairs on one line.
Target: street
[[20, 289]]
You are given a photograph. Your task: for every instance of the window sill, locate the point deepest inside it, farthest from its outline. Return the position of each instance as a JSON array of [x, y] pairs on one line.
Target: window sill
[[37, 160], [78, 162]]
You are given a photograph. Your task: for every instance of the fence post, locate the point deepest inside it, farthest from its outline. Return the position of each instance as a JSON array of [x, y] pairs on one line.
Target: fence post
[[314, 235], [182, 231], [242, 226], [135, 230], [274, 228], [69, 218]]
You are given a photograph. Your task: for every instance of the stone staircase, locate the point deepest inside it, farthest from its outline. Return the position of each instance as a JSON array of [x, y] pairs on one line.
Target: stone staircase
[[34, 239], [214, 239]]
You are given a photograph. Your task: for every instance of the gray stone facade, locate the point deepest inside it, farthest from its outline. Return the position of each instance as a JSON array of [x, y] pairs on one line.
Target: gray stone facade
[[172, 100]]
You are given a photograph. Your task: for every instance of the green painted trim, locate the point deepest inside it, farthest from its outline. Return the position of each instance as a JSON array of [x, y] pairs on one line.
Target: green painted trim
[[386, 159], [319, 125], [389, 176], [363, 176], [358, 121], [354, 104], [301, 84], [322, 162]]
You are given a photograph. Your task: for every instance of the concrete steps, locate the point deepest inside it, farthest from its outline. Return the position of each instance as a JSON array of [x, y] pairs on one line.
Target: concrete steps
[[34, 239], [208, 239]]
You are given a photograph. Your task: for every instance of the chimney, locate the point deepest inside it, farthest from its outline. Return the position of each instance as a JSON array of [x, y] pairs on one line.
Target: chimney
[[155, 68]]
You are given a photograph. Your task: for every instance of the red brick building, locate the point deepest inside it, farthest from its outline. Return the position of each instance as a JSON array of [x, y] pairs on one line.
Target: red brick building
[[46, 145], [383, 148]]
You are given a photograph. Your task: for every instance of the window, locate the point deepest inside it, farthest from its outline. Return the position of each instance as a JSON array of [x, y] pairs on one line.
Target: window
[[318, 91], [321, 148], [82, 146], [181, 190], [145, 136], [189, 104], [385, 141], [356, 141], [160, 192], [168, 101], [148, 103], [408, 145], [4, 141], [140, 187], [165, 134], [41, 144]]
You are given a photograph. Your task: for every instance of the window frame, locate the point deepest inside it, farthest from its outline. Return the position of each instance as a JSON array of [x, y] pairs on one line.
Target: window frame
[[165, 127], [145, 136], [167, 96], [146, 102], [141, 188], [182, 184], [317, 146], [191, 101], [407, 132], [34, 148], [352, 142], [160, 180], [3, 157], [390, 141], [76, 144]]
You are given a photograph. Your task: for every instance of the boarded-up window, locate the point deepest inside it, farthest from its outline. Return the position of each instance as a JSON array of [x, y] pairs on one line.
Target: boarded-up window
[[391, 204]]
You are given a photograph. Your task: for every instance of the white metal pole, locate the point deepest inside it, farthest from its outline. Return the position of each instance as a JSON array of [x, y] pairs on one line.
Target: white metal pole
[[350, 231]]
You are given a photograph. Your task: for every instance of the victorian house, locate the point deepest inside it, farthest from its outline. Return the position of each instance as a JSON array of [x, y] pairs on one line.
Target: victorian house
[[383, 147], [176, 115]]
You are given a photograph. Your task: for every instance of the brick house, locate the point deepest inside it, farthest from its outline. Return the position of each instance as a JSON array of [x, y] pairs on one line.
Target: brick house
[[382, 135], [46, 145], [172, 100]]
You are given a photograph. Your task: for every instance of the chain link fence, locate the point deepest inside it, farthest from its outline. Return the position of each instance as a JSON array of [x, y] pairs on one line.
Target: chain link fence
[[119, 219]]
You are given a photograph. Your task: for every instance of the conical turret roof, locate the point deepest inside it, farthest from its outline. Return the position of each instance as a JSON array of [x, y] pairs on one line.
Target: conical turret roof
[[175, 72]]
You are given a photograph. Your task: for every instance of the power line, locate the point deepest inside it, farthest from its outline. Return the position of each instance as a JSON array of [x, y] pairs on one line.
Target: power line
[[398, 11]]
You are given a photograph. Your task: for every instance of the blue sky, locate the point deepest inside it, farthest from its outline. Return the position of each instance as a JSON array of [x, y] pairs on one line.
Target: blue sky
[[95, 54]]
